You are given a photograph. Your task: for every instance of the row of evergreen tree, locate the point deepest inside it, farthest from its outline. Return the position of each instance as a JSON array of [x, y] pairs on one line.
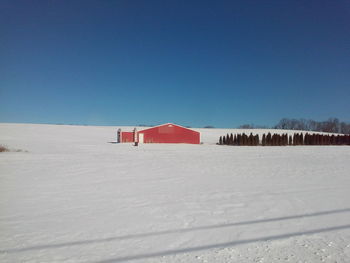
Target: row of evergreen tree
[[283, 139]]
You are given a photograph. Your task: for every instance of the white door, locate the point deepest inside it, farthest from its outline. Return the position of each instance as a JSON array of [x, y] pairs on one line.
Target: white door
[[140, 137]]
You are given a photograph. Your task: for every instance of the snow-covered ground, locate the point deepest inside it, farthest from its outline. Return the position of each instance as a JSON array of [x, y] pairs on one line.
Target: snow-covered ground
[[75, 196]]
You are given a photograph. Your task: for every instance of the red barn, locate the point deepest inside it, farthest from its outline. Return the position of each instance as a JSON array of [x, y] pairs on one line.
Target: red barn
[[166, 133]]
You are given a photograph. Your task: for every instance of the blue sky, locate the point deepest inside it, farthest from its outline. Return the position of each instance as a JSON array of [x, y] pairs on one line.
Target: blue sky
[[195, 63]]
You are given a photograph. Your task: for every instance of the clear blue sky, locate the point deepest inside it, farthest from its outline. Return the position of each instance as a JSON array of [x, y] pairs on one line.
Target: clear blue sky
[[196, 63]]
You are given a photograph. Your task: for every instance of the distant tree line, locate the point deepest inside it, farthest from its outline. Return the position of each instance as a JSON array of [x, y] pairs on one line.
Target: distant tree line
[[332, 125], [283, 139], [146, 125], [252, 126]]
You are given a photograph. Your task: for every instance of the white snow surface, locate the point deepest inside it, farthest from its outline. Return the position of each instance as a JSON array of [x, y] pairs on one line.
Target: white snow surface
[[72, 195]]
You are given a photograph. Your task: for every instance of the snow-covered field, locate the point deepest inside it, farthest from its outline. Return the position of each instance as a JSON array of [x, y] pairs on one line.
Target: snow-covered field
[[75, 196]]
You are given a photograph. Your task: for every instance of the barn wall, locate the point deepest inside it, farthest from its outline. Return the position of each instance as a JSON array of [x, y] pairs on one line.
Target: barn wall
[[170, 134]]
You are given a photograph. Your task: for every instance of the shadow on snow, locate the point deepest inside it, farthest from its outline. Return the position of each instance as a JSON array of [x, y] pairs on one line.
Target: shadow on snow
[[222, 245], [185, 230]]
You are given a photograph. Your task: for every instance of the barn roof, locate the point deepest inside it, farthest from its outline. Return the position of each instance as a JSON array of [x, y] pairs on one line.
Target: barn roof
[[167, 124]]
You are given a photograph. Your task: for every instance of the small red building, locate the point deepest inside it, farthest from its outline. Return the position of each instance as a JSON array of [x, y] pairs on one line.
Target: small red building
[[166, 133], [125, 136]]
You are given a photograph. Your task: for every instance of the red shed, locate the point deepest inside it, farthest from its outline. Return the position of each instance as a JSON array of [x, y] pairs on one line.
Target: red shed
[[124, 136], [166, 133]]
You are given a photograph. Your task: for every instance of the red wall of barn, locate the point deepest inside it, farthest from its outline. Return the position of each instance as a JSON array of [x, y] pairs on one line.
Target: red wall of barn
[[127, 136], [170, 133]]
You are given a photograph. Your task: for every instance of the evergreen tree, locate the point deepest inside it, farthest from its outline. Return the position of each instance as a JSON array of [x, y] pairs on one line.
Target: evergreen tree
[[297, 136], [220, 140], [263, 140], [301, 139], [294, 139], [306, 139], [245, 139], [239, 139], [269, 139], [337, 140], [231, 139], [273, 140], [279, 140], [244, 143], [332, 139], [250, 140], [256, 140], [290, 140]]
